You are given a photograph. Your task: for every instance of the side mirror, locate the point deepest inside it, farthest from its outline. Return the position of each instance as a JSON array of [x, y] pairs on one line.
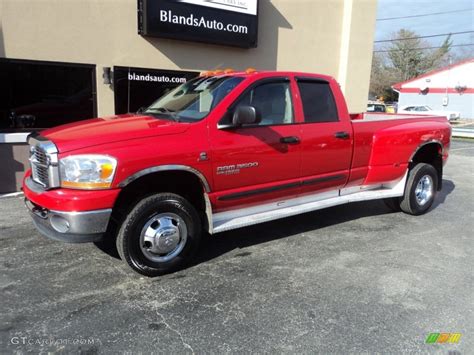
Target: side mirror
[[245, 115]]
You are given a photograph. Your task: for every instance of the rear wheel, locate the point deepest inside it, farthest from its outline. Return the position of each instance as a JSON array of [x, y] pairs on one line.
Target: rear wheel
[[161, 234], [420, 190]]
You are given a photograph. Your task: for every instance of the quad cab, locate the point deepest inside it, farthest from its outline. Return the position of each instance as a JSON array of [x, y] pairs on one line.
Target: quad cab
[[225, 151]]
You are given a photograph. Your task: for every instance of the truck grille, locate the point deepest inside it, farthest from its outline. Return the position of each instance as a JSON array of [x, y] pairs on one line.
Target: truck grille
[[44, 162]]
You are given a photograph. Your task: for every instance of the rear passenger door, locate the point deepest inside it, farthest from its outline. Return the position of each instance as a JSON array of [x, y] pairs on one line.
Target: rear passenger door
[[326, 140]]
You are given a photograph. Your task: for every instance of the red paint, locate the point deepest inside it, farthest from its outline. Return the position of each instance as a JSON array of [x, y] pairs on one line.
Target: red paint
[[375, 152], [435, 91]]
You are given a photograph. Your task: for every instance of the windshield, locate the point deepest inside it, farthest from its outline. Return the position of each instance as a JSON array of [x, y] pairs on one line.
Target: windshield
[[193, 100]]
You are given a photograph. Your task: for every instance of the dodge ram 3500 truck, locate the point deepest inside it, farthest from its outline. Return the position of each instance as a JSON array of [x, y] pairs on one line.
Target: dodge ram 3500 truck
[[225, 151]]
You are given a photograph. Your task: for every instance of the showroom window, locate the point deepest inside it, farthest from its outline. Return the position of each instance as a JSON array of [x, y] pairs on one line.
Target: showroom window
[[37, 95], [136, 88]]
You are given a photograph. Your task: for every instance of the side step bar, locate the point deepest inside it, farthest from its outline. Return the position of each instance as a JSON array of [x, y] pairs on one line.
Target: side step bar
[[234, 219]]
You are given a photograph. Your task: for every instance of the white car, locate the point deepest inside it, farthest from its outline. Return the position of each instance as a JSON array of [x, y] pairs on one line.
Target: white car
[[426, 110]]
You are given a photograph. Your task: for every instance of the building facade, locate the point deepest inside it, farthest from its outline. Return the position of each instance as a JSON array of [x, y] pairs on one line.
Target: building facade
[[450, 88], [63, 61]]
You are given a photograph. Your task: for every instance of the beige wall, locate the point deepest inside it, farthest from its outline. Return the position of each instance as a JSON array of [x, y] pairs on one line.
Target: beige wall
[[327, 36]]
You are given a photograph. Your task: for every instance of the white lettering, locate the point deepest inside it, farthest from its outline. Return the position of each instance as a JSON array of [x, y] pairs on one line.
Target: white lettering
[[192, 21]]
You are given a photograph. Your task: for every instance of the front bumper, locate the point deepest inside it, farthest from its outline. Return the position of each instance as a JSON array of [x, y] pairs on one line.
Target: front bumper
[[70, 227]]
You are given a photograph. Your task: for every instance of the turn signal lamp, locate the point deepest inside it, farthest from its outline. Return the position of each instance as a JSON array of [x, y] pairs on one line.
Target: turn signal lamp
[[217, 72], [250, 70], [206, 73]]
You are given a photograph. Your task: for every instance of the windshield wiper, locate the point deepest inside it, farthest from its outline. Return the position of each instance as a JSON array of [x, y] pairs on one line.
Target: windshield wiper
[[164, 110], [160, 109]]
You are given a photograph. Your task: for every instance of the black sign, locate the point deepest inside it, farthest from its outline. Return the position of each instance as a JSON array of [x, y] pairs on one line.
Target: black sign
[[138, 87], [228, 22]]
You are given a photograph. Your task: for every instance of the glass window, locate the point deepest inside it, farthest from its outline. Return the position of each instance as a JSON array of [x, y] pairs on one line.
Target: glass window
[[195, 99], [136, 88], [318, 102], [37, 95], [272, 102]]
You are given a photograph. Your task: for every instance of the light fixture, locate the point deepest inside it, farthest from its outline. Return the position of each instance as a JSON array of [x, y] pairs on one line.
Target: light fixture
[[107, 75]]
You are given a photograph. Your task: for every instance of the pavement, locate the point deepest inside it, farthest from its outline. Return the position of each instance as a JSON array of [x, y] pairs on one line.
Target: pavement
[[349, 279], [463, 129]]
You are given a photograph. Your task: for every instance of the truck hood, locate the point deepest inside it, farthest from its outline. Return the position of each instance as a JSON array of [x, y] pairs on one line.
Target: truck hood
[[111, 129]]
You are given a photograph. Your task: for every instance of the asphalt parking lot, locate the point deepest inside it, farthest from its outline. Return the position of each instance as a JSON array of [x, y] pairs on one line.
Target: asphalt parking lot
[[349, 279]]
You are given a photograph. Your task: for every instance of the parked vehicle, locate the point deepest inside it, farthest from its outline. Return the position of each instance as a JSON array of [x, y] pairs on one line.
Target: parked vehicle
[[222, 152], [426, 110], [375, 106]]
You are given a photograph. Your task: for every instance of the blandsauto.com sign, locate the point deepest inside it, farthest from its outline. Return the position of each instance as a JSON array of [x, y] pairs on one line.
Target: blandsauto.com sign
[[227, 22]]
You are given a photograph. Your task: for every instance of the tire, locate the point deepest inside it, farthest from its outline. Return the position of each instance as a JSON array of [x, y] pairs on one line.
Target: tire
[[420, 190], [393, 203], [161, 234]]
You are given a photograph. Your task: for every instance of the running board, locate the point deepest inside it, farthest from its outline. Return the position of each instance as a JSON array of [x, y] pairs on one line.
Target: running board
[[244, 217]]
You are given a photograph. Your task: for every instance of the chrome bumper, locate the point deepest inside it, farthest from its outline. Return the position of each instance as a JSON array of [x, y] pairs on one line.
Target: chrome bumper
[[70, 227]]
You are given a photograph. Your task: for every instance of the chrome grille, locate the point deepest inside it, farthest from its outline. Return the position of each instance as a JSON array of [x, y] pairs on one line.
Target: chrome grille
[[39, 166], [44, 162]]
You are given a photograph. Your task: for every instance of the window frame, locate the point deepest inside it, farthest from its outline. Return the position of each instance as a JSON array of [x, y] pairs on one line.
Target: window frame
[[259, 82], [320, 81]]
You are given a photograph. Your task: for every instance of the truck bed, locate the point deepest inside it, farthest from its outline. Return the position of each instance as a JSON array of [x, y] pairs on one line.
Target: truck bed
[[373, 116], [372, 162]]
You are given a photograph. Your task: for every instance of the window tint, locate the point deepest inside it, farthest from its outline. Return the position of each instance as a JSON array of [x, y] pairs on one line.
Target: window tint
[[36, 95], [318, 102], [272, 102]]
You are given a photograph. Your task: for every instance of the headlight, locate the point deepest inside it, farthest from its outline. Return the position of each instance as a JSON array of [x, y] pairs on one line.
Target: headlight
[[87, 171]]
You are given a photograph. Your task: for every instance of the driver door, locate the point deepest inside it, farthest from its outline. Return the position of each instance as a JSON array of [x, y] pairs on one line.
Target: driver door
[[258, 163]]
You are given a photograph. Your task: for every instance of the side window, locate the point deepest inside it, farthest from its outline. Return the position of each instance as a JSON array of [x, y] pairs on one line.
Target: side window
[[318, 101], [272, 102]]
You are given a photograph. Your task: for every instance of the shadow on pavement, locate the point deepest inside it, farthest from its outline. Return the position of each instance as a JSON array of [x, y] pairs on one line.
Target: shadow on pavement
[[222, 243], [448, 187]]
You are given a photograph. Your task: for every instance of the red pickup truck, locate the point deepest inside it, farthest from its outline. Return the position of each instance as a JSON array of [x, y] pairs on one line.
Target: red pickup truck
[[224, 151]]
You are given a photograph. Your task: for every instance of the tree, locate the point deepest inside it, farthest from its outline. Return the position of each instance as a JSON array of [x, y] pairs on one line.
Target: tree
[[382, 78], [406, 57]]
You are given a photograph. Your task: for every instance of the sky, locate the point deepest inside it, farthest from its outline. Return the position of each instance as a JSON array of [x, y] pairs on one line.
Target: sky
[[427, 25]]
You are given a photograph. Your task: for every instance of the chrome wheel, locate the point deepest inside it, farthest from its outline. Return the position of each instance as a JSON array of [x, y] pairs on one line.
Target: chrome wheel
[[163, 237], [424, 190]]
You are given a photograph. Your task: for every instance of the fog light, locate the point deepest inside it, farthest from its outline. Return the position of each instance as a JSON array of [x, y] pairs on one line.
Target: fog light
[[60, 224]]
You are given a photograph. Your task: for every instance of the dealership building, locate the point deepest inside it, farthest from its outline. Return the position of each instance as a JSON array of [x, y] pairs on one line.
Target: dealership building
[[446, 89], [65, 61]]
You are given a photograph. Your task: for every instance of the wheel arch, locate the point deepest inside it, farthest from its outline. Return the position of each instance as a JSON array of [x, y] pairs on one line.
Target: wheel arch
[[180, 179], [430, 152]]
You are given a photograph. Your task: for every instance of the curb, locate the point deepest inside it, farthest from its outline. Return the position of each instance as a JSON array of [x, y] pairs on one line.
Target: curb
[[13, 194], [463, 132]]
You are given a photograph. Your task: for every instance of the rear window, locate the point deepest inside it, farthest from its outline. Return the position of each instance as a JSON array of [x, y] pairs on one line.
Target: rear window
[[318, 101]]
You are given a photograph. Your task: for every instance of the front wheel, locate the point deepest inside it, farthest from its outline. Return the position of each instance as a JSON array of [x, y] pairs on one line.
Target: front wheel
[[160, 234], [420, 190]]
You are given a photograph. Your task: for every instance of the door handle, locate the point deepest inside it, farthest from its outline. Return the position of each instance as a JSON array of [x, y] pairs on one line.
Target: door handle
[[342, 135], [289, 140]]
